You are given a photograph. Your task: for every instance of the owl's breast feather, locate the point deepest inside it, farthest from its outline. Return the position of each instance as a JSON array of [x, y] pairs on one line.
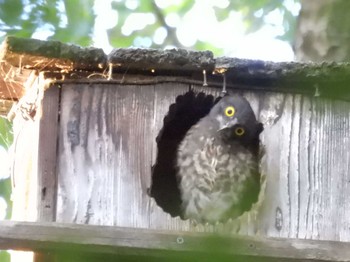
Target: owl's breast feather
[[213, 177]]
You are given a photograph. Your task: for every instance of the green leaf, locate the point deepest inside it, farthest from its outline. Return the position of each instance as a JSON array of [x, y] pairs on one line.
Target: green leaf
[[5, 192], [221, 13], [181, 8], [6, 136], [10, 11], [5, 256], [81, 19], [145, 6], [50, 13]]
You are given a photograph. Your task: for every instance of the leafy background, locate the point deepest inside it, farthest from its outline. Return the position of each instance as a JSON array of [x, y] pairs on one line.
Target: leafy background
[[76, 21]]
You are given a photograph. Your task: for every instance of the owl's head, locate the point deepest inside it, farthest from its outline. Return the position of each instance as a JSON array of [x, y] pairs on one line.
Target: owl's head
[[235, 119]]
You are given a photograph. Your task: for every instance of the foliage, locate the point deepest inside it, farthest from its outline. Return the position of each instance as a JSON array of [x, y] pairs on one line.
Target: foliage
[[253, 12], [74, 20], [4, 256], [66, 20], [6, 139], [6, 136], [256, 12]]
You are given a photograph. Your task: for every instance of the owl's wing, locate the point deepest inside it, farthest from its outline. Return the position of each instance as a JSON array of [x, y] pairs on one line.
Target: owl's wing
[[251, 188]]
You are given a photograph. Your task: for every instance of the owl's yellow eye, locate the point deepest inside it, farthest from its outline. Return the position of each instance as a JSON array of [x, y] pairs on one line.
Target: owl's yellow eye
[[230, 111], [239, 131]]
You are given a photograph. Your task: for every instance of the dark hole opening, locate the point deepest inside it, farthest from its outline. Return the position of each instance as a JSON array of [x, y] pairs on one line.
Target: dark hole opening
[[182, 115], [187, 110]]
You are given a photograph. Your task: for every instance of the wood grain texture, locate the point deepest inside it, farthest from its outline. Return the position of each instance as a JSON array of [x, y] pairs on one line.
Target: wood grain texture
[[26, 205], [105, 155], [70, 238], [47, 161], [47, 158], [86, 158], [306, 166], [24, 169], [125, 121], [107, 146], [133, 117]]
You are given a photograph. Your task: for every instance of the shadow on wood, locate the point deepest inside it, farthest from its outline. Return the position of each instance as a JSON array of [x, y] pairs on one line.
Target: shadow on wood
[[182, 115]]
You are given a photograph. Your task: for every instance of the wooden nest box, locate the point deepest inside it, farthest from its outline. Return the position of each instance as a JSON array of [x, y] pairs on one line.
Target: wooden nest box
[[85, 129]]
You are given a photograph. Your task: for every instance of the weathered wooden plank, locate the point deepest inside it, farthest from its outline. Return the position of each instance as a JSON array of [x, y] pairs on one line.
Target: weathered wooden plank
[[105, 146], [152, 243], [105, 164], [86, 162], [306, 165], [24, 168], [47, 158], [132, 133], [23, 178], [24, 151]]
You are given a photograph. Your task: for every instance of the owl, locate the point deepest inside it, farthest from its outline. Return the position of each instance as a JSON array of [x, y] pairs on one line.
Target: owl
[[217, 163]]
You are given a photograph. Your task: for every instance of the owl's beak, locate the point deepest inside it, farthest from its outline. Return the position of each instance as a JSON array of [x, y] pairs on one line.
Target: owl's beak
[[229, 124]]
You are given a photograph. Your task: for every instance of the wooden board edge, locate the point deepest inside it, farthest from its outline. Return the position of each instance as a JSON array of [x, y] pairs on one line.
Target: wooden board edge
[[57, 237]]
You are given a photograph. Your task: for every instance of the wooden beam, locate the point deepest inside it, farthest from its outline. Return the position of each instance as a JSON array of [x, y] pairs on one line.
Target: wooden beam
[[319, 79], [47, 155], [50, 55], [56, 237], [47, 158]]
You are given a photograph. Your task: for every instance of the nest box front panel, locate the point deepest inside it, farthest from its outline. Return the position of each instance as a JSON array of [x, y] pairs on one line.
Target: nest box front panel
[[107, 148], [105, 152], [305, 161]]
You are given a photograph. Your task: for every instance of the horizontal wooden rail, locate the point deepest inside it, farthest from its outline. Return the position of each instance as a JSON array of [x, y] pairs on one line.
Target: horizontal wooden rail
[[58, 237]]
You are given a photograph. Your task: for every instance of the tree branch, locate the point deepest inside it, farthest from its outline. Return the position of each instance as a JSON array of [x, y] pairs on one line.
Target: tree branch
[[171, 36]]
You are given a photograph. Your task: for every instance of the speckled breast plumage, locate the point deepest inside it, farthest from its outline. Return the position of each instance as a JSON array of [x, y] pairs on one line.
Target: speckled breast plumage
[[216, 176]]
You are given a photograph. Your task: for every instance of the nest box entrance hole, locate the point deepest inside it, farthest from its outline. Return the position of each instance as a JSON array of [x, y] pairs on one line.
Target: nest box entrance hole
[[185, 112]]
